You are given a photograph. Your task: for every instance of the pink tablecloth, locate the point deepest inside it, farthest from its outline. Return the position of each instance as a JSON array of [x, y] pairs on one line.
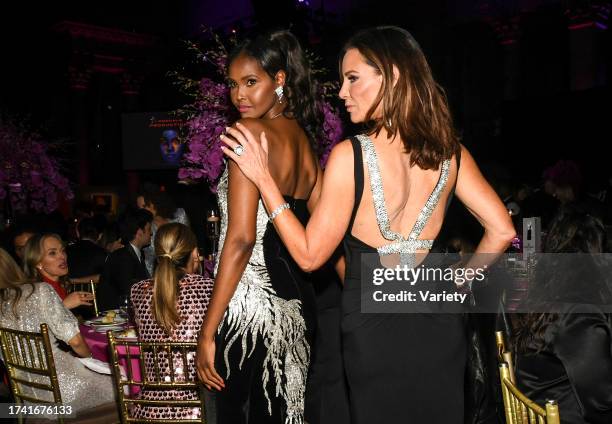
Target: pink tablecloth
[[98, 344]]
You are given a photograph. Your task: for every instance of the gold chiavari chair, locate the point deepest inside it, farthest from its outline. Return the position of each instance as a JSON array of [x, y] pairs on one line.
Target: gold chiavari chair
[[519, 409], [166, 357], [86, 286], [504, 355], [30, 353]]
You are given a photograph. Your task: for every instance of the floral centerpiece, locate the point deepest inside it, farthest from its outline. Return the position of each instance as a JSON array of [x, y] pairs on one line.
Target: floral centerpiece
[[211, 111], [30, 177]]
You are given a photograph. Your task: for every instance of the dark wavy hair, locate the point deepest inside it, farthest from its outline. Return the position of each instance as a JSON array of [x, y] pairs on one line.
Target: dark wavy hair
[[560, 279], [281, 51], [415, 106]]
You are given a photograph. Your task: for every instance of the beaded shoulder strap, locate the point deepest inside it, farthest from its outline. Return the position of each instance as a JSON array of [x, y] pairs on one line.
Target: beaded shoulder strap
[[378, 195]]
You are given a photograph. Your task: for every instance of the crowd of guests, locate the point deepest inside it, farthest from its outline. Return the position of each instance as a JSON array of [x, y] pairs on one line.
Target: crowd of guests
[[149, 259], [38, 269]]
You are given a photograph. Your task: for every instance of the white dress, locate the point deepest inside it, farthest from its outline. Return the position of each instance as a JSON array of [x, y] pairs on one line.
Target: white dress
[[80, 387]]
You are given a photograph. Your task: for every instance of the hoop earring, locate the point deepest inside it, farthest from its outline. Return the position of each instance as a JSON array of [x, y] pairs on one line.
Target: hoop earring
[[279, 93]]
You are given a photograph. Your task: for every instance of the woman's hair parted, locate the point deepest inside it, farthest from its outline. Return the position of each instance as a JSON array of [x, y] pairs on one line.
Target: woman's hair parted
[[174, 243], [281, 51], [11, 278], [415, 106], [33, 254]]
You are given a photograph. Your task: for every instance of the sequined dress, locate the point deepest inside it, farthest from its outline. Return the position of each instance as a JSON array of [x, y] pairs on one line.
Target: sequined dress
[[192, 303], [263, 343], [400, 367], [79, 387]]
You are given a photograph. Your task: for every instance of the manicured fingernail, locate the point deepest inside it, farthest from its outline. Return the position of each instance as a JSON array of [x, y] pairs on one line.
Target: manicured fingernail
[[238, 123], [222, 135], [227, 129]]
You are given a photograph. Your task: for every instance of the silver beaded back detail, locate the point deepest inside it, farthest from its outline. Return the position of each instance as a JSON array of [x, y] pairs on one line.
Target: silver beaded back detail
[[406, 247]]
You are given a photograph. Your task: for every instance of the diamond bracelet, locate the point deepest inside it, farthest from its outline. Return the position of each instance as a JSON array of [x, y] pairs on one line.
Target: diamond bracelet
[[276, 212]]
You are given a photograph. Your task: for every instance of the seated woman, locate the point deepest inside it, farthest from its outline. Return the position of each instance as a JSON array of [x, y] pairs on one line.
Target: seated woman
[[24, 307], [563, 345], [171, 307], [45, 260]]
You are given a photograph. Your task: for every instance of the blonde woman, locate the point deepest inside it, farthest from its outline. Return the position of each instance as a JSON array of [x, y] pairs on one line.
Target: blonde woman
[[171, 307], [24, 306], [45, 260]]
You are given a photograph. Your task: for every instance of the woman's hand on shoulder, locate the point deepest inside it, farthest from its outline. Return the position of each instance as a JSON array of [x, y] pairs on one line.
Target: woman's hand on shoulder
[[247, 145]]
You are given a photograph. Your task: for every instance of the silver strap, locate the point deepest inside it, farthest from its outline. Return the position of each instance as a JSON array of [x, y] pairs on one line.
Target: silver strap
[[401, 244]]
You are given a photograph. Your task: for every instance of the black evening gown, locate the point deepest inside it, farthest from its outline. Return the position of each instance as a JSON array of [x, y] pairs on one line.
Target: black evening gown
[[264, 341], [401, 368]]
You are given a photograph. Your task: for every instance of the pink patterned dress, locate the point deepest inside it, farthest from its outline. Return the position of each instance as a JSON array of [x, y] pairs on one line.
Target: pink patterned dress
[[192, 302]]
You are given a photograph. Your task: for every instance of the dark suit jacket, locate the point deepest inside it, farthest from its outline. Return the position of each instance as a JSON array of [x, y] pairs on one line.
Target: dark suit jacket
[[122, 269], [85, 258]]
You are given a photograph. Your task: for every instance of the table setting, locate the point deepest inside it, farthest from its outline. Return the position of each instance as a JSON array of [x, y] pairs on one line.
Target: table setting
[[94, 331]]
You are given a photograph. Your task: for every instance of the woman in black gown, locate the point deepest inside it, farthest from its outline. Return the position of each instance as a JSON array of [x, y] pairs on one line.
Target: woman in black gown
[[385, 192], [255, 342]]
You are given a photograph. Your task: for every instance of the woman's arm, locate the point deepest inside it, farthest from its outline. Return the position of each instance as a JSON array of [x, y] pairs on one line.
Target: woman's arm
[[312, 246], [79, 345], [482, 202], [242, 204]]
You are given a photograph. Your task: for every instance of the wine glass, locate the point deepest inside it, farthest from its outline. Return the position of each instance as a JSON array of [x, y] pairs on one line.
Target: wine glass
[[124, 304]]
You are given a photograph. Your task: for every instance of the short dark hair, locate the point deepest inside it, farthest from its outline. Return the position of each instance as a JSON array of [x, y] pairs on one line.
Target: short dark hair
[[131, 221], [87, 228], [163, 203]]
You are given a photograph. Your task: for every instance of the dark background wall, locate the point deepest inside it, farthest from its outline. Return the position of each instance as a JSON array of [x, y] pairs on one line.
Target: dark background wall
[[528, 81]]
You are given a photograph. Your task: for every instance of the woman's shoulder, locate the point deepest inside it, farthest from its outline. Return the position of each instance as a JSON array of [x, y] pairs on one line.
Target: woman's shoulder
[[341, 156], [196, 280], [254, 124], [142, 285], [38, 287]]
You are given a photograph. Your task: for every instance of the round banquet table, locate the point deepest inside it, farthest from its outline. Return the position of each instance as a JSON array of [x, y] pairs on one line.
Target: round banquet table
[[98, 344]]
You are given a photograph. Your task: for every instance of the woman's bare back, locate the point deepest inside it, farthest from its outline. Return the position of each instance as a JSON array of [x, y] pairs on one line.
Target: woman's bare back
[[291, 159], [406, 190]]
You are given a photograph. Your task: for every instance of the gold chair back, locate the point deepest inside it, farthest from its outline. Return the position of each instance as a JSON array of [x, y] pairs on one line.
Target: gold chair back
[[26, 354], [519, 409], [503, 354], [86, 286], [166, 358]]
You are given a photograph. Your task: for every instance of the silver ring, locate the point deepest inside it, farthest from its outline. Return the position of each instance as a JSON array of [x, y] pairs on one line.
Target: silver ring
[[239, 150]]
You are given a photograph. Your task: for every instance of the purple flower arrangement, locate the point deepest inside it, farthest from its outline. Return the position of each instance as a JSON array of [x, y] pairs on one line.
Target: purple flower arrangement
[[29, 176], [211, 111]]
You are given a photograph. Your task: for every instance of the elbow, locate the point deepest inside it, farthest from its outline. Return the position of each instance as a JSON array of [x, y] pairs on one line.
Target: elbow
[[77, 342], [308, 265], [241, 245], [505, 235]]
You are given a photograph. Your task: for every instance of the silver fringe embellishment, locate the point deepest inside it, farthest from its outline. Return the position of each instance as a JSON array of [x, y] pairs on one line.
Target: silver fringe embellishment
[[406, 247], [254, 311]]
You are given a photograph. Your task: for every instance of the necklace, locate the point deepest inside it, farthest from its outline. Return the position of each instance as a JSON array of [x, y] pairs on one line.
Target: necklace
[[277, 115]]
